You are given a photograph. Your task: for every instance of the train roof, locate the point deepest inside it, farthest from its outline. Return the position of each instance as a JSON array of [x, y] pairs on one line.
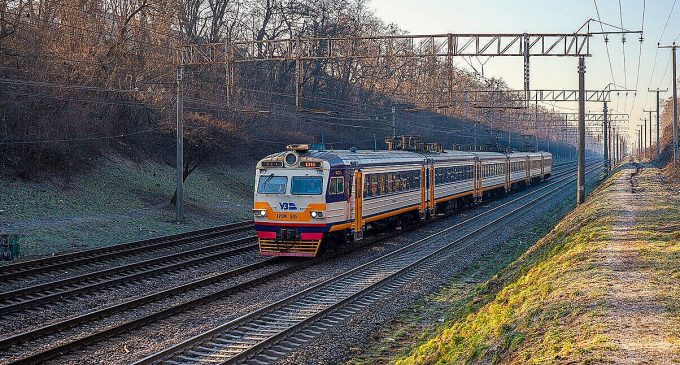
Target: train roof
[[488, 155], [382, 157]]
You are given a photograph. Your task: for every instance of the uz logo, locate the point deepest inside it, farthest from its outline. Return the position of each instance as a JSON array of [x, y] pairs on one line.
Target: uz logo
[[288, 206]]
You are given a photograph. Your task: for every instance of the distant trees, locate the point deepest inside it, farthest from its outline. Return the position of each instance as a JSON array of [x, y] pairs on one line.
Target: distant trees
[[81, 77]]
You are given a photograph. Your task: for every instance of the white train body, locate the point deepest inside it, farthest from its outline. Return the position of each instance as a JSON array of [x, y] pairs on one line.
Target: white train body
[[302, 196]]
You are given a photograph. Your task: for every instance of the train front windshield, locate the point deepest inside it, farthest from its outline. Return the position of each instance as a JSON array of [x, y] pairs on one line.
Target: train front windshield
[[306, 185], [271, 184]]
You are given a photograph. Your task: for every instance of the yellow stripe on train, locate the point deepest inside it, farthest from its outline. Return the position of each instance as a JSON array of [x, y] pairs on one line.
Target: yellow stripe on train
[[304, 216]]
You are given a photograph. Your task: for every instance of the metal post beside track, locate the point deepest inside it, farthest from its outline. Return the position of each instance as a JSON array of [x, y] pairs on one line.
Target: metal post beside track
[[581, 169], [605, 130], [179, 182]]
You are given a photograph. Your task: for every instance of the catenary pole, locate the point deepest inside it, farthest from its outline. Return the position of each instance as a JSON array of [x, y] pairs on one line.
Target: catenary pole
[[675, 102], [581, 178], [605, 130], [179, 181], [658, 124]]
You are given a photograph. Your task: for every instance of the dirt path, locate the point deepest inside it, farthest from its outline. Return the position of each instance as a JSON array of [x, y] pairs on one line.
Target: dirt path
[[640, 320]]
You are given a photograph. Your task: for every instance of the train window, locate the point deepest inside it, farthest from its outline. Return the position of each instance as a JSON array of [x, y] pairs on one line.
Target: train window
[[306, 185], [337, 185], [272, 184], [374, 185], [367, 186]]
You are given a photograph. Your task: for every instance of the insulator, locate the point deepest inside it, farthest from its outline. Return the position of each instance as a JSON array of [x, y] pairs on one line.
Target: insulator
[[623, 38], [606, 39]]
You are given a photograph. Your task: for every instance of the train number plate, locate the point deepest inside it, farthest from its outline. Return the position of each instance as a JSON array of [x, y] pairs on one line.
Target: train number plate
[[287, 216]]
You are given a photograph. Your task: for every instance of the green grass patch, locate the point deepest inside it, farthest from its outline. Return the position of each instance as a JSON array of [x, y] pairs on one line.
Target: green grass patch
[[120, 201]]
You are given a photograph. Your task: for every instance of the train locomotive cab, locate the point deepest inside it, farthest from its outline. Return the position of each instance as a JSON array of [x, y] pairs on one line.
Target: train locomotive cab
[[289, 210]]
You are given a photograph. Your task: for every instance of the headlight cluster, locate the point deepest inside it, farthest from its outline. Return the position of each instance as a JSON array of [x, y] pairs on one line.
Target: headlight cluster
[[259, 212], [317, 215]]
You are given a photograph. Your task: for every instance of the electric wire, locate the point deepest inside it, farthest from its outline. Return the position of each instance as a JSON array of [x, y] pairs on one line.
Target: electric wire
[[606, 44]]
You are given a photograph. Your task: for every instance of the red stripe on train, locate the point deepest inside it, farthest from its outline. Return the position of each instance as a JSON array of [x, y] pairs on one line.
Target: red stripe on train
[[266, 235], [311, 236]]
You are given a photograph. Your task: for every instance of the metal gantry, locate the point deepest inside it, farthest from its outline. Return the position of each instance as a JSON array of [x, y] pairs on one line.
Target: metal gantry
[[430, 46]]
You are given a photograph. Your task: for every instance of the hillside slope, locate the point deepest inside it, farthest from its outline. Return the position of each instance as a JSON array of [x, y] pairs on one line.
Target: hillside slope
[[600, 288], [120, 201]]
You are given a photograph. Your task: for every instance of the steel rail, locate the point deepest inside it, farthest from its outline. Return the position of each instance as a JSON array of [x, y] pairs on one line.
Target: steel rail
[[43, 265], [58, 289]]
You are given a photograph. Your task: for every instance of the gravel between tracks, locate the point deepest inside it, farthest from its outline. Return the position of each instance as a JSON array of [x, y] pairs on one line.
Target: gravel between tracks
[[37, 279], [59, 310]]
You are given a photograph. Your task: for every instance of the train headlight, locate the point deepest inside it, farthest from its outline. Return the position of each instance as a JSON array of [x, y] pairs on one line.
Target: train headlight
[[259, 212], [318, 215], [291, 159]]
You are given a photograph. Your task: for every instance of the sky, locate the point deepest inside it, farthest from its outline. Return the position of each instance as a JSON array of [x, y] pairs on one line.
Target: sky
[[646, 67]]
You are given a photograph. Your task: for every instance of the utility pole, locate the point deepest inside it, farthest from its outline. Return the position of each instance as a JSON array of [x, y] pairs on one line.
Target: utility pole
[[651, 133], [605, 132], [581, 169], [644, 143], [612, 144], [658, 127], [394, 123], [536, 123], [179, 182], [615, 149], [675, 103], [639, 142]]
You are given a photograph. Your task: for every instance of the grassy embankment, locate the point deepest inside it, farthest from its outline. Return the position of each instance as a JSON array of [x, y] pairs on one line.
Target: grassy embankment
[[119, 201], [551, 305]]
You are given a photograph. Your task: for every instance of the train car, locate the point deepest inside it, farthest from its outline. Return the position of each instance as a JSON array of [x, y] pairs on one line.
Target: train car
[[492, 173], [547, 164], [518, 167], [306, 199], [535, 166], [454, 182]]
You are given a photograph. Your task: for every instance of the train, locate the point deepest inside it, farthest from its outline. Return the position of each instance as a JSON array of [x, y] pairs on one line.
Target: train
[[307, 198]]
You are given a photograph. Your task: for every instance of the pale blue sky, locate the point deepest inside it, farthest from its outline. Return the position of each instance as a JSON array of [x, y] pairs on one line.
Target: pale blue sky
[[534, 16]]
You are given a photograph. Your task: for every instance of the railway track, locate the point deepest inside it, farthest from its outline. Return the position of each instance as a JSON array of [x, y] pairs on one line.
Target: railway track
[[80, 258], [131, 324], [291, 322], [126, 274]]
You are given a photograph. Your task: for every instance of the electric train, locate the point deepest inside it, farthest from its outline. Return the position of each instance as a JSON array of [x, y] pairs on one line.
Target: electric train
[[307, 199]]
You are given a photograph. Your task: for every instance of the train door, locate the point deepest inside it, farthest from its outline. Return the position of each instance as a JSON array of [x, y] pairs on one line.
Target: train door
[[432, 204], [527, 169], [358, 221], [507, 174], [423, 192], [542, 167]]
